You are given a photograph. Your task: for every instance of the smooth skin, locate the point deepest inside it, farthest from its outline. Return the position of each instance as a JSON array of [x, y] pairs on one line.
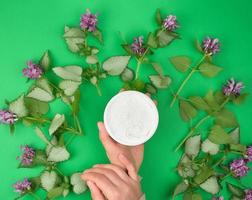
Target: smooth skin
[[112, 182], [113, 149]]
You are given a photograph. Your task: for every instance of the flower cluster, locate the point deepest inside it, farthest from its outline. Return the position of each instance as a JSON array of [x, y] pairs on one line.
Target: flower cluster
[[27, 156], [210, 45], [239, 167], [22, 186], [138, 46], [248, 155], [7, 117], [89, 21], [248, 194], [33, 71], [232, 87], [170, 23]]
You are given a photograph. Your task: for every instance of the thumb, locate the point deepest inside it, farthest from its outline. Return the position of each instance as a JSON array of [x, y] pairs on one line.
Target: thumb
[[106, 140], [129, 166]]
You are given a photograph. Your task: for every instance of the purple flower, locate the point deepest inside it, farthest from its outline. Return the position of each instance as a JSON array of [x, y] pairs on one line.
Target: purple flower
[[89, 21], [218, 198], [27, 156], [170, 23], [248, 194], [248, 155], [138, 46], [239, 168], [7, 117], [33, 71], [211, 45], [232, 88], [22, 186]]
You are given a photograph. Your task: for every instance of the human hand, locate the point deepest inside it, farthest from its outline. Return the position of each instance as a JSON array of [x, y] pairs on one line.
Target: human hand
[[112, 182], [114, 149]]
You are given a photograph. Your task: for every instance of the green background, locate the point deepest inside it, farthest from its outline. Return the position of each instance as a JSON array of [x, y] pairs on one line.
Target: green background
[[28, 28]]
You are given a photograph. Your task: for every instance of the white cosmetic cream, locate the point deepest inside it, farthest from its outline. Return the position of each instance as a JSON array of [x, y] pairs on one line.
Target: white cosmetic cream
[[131, 118]]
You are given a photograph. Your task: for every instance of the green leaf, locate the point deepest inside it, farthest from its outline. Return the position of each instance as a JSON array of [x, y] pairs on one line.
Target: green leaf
[[185, 167], [235, 135], [127, 75], [69, 87], [219, 97], [65, 192], [235, 190], [97, 34], [74, 44], [158, 69], [40, 94], [211, 101], [56, 123], [127, 48], [210, 147], [187, 111], [238, 148], [41, 135], [53, 142], [74, 38], [196, 196], [160, 82], [192, 196], [209, 70], [18, 107], [198, 46], [181, 63], [138, 85], [152, 41], [226, 119], [240, 99], [70, 72], [92, 59], [116, 65], [35, 183], [76, 103], [180, 188], [204, 174], [44, 84], [164, 38], [35, 106], [158, 17], [150, 89], [55, 192], [219, 136], [58, 154], [211, 185], [79, 186], [199, 103], [192, 146], [236, 198], [48, 180], [45, 61]]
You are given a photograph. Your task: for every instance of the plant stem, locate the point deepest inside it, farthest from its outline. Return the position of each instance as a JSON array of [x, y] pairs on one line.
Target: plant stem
[[138, 69], [34, 196], [54, 86], [193, 70], [199, 124], [192, 131], [57, 169], [44, 120], [98, 89]]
